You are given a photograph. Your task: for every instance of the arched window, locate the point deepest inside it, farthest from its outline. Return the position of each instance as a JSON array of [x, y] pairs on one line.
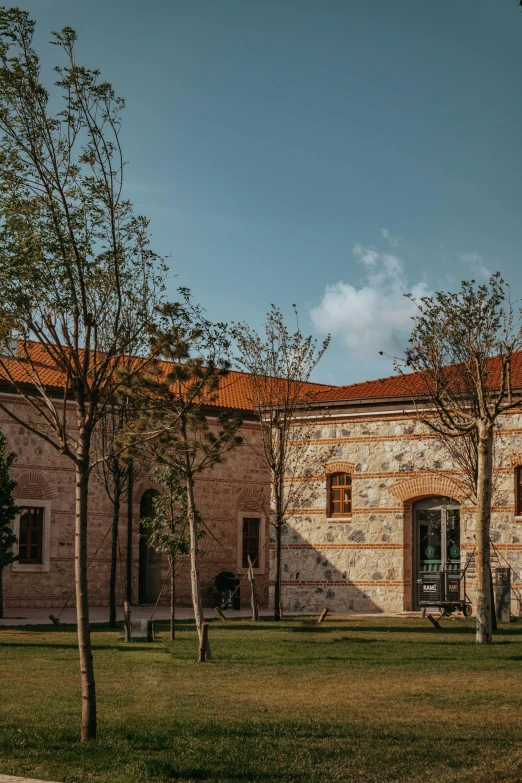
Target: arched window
[[340, 495]]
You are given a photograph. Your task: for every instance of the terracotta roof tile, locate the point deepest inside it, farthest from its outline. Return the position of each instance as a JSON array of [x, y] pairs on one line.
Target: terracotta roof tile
[[234, 388], [232, 393], [400, 386]]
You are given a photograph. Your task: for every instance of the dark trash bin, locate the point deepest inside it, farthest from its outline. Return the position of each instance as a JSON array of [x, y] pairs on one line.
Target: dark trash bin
[[227, 585]]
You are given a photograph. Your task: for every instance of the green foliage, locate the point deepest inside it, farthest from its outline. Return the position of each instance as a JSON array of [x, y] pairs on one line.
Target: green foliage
[[457, 334], [8, 509], [279, 366], [171, 400], [167, 527], [284, 359], [79, 280], [462, 345]]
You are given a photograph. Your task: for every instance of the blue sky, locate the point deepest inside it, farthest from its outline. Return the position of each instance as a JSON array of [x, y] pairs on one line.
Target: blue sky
[[331, 153]]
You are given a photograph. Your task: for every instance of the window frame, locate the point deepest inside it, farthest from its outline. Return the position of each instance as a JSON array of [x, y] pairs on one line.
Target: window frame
[[33, 567], [254, 555], [260, 567], [38, 528], [518, 491], [343, 514]]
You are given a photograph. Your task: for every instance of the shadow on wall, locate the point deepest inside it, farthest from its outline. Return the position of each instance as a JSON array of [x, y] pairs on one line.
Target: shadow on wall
[[322, 575]]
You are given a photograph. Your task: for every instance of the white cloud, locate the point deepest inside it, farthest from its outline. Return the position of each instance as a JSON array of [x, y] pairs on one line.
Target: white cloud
[[374, 317], [394, 241], [476, 263]]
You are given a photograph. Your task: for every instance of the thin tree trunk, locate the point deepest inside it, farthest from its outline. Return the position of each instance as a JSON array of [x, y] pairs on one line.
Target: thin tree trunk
[[130, 488], [172, 600], [279, 488], [277, 586], [197, 602], [483, 519], [194, 560], [114, 550], [1, 593], [82, 596]]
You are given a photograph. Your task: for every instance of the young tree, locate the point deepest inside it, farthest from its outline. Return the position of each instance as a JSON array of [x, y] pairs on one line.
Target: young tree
[[173, 402], [462, 347], [8, 511], [168, 527], [113, 474], [279, 368], [79, 282]]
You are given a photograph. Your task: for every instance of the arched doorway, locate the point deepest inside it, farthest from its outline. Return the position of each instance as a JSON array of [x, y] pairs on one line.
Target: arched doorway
[[436, 537], [149, 573]]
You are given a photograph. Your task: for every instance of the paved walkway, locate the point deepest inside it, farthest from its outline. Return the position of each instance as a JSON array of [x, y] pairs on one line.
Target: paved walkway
[[100, 614], [13, 779]]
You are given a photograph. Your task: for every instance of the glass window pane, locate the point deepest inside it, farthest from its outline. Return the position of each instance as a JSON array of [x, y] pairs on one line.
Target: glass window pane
[[453, 535], [430, 533], [336, 508], [23, 552]]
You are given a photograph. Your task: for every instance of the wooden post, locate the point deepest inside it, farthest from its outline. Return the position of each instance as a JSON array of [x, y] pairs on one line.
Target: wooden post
[[203, 641], [323, 615], [433, 621], [220, 614], [127, 621], [255, 602], [150, 631]]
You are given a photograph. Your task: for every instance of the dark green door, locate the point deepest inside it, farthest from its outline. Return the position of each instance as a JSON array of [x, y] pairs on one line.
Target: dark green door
[[436, 536], [430, 540]]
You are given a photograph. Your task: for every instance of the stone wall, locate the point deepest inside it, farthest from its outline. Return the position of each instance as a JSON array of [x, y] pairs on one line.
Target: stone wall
[[364, 564], [237, 487]]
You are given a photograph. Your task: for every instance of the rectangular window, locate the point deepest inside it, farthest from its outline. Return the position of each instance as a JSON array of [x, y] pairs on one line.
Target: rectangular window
[[518, 491], [340, 491], [250, 541], [30, 535]]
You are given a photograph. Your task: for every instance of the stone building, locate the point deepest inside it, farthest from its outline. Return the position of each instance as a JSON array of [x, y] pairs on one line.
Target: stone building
[[233, 499], [390, 503]]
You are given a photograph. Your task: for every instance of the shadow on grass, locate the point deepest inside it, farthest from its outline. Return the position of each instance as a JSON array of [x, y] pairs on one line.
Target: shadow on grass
[[384, 629], [123, 647], [169, 771]]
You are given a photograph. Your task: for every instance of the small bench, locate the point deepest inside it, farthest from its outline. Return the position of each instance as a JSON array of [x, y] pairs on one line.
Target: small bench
[[140, 629]]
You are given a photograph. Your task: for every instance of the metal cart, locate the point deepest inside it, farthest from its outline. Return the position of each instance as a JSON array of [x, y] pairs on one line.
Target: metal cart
[[445, 589]]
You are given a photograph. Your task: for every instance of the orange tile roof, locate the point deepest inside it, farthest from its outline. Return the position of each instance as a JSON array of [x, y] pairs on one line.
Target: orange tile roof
[[233, 390], [401, 386]]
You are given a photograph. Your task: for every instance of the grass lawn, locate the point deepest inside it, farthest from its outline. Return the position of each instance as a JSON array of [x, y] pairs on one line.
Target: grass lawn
[[370, 699]]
